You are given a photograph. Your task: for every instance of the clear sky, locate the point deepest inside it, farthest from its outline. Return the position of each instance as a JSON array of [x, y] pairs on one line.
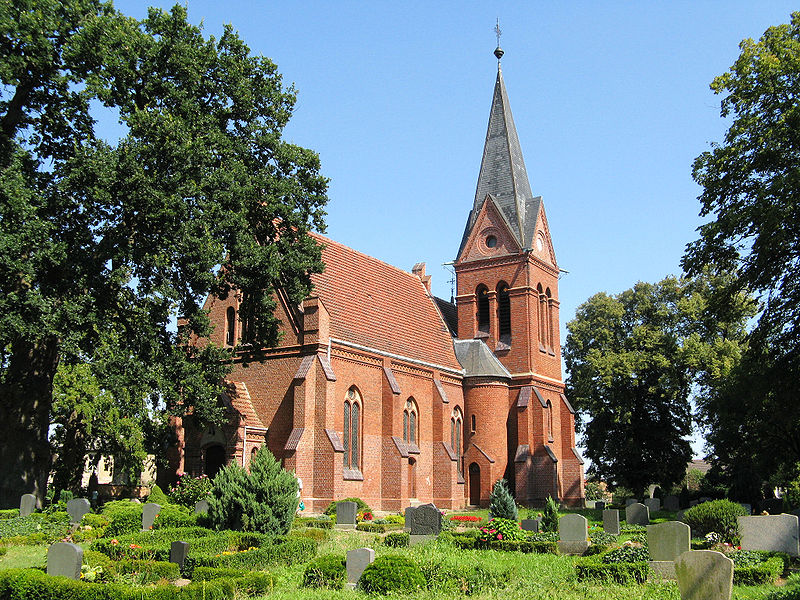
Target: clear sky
[[611, 101]]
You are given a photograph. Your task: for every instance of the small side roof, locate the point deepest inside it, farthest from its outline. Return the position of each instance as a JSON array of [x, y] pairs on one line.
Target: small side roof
[[478, 360]]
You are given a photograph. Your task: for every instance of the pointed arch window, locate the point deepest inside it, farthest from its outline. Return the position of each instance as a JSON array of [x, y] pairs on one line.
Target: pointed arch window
[[542, 318], [456, 437], [352, 429], [230, 327], [550, 333], [410, 419], [483, 309], [549, 421], [504, 313]]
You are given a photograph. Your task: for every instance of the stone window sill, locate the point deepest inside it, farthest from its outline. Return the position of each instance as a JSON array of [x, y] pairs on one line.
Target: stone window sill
[[352, 475]]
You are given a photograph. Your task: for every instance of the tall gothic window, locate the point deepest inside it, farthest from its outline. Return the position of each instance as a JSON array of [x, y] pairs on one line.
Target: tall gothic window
[[456, 433], [247, 315], [351, 429], [410, 422], [549, 421], [504, 312], [542, 320], [483, 309], [230, 327], [550, 334]]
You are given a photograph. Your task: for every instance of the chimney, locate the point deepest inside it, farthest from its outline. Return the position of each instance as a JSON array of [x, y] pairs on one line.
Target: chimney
[[419, 270]]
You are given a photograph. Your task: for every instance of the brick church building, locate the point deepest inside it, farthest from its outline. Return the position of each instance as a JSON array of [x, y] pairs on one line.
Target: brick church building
[[380, 390]]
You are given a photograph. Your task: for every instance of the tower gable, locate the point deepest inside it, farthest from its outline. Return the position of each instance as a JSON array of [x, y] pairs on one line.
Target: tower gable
[[541, 244], [490, 237]]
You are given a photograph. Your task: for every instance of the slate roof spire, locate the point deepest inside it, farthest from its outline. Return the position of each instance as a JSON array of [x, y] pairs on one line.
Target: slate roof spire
[[503, 173]]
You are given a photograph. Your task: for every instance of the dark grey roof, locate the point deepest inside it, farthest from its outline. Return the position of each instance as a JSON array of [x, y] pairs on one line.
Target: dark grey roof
[[449, 314], [503, 174], [478, 361]]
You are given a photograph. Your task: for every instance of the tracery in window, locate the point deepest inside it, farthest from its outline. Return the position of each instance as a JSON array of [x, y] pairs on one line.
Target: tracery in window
[[456, 434], [352, 429], [410, 422], [504, 312], [483, 309], [230, 327]]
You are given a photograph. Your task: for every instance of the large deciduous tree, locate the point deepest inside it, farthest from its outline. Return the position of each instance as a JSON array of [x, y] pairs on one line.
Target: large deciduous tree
[[103, 242], [751, 189]]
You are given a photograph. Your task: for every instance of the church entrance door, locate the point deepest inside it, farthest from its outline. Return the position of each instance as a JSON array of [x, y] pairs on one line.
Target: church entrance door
[[412, 478], [474, 484], [215, 459]]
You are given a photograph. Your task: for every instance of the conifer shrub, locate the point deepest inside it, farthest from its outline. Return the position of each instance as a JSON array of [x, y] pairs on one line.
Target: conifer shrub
[[719, 516], [550, 515], [392, 574], [328, 570], [157, 496], [263, 500], [501, 502]]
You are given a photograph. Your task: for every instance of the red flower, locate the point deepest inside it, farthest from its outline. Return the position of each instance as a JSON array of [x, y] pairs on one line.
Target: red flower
[[114, 542]]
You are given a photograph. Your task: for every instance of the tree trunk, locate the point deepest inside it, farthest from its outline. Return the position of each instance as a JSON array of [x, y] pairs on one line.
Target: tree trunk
[[68, 468], [26, 395]]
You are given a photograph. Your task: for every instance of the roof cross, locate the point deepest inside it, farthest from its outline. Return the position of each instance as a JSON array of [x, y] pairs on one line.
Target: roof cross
[[498, 52]]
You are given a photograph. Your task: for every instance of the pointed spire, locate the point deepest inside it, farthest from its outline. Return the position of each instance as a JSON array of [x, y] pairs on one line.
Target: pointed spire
[[503, 173]]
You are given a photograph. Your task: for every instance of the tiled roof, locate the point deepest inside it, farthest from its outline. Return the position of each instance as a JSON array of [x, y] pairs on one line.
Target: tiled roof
[[379, 306], [239, 397]]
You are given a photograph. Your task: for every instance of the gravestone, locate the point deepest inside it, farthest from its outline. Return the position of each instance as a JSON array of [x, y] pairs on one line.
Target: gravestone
[[672, 503], [149, 513], [409, 516], [201, 506], [346, 515], [27, 504], [704, 575], [652, 504], [777, 533], [76, 508], [611, 521], [679, 515], [178, 551], [426, 520], [530, 525], [599, 505], [630, 501], [65, 559], [704, 499], [573, 534], [637, 514], [666, 542], [747, 507], [358, 560]]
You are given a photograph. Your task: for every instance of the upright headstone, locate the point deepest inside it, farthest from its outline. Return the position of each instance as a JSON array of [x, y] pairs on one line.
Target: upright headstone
[[704, 575], [747, 507], [704, 499], [65, 559], [76, 508], [776, 533], [599, 505], [27, 504], [637, 514], [346, 515], [573, 534], [630, 501], [672, 503], [201, 506], [358, 560], [652, 504], [666, 542], [531, 525], [611, 521], [149, 513], [409, 516], [426, 520], [178, 551]]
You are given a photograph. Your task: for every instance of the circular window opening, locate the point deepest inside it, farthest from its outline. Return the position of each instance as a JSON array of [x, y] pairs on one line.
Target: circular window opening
[[491, 241]]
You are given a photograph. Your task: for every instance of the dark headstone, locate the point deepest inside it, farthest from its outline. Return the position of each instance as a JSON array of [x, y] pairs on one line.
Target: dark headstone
[[65, 559], [409, 516], [149, 513], [599, 505], [671, 503], [531, 525], [653, 504], [346, 513], [27, 504], [630, 501], [76, 508], [426, 520], [178, 551], [637, 514], [611, 521]]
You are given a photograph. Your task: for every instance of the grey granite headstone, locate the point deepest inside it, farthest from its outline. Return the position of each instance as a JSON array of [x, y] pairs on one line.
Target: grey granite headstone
[[672, 503], [679, 515], [65, 559], [611, 521], [637, 514], [149, 513], [704, 575], [409, 516], [76, 508], [653, 504], [178, 551], [777, 533], [530, 525], [630, 501], [747, 507], [573, 534], [599, 505], [27, 504], [667, 541], [358, 560], [346, 515], [201, 506], [426, 520]]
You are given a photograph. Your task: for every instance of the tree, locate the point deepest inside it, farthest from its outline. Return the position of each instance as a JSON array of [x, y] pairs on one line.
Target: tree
[[501, 502], [633, 360], [102, 243], [751, 189]]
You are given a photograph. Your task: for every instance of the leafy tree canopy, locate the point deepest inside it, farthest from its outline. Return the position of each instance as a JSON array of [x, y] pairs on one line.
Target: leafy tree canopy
[[103, 242]]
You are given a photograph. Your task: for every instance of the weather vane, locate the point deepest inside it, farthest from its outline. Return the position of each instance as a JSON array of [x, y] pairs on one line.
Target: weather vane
[[498, 52]]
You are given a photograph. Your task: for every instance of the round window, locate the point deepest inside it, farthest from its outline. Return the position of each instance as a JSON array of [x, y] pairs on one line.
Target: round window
[[491, 241]]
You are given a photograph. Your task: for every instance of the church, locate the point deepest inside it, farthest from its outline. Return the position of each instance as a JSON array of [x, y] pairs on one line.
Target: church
[[382, 391]]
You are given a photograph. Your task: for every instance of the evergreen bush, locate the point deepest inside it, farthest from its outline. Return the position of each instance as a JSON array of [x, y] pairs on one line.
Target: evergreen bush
[[550, 515], [392, 574], [263, 500], [623, 573], [158, 496], [397, 539], [328, 570], [719, 516], [362, 506], [501, 503]]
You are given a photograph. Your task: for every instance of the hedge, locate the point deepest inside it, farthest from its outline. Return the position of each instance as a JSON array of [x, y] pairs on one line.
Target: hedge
[[312, 522], [328, 570], [622, 573], [153, 570], [461, 579], [282, 550], [525, 546], [761, 574], [378, 527]]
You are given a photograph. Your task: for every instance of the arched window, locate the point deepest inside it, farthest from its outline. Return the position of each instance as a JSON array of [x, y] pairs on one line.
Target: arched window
[[550, 336], [472, 428], [549, 421], [230, 327], [456, 433], [504, 312], [410, 422], [352, 428], [542, 318], [253, 453], [483, 309]]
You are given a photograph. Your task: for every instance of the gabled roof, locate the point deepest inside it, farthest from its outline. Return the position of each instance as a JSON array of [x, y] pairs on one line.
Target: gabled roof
[[239, 397], [379, 306], [478, 360], [503, 173]]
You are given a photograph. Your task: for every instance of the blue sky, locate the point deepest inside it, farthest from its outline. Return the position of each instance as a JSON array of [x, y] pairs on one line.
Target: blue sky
[[611, 101]]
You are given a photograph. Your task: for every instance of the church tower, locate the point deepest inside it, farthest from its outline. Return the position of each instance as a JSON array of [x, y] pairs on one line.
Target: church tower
[[518, 422]]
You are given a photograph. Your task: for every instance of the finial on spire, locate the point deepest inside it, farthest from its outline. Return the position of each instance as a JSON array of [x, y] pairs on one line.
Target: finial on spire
[[498, 52]]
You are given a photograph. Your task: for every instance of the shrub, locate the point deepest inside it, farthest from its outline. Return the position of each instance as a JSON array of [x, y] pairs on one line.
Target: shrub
[[375, 527], [761, 573], [623, 573], [124, 516], [459, 579], [719, 516], [626, 554], [3, 550], [149, 571], [600, 537], [189, 490], [172, 515], [550, 515], [392, 574], [282, 550], [320, 523], [312, 533], [501, 529], [34, 529], [362, 506], [397, 539], [501, 503], [209, 573], [158, 496], [328, 570], [264, 500], [8, 513]]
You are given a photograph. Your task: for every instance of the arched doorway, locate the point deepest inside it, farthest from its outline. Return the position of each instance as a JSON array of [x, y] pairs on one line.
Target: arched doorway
[[474, 484], [412, 478], [215, 459]]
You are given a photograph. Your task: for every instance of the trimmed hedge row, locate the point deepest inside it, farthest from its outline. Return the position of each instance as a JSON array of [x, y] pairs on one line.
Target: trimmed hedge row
[[621, 572], [763, 573], [312, 522], [525, 546], [328, 570], [378, 527]]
